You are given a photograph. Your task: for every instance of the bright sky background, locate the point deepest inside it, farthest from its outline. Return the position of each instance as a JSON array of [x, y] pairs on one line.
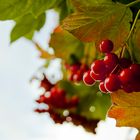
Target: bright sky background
[[18, 63]]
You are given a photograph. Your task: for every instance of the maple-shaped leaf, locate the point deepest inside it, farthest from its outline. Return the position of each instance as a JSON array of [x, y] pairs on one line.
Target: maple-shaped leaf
[[107, 20], [126, 109], [65, 44]]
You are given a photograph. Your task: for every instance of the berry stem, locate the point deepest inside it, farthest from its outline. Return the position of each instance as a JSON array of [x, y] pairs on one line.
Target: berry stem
[[125, 45], [122, 51], [133, 26], [132, 3]]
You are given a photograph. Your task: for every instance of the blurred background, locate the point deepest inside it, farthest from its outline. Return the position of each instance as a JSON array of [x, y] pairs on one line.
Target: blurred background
[[18, 121]]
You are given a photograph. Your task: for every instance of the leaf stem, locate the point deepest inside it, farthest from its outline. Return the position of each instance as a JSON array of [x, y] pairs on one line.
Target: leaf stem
[[133, 26], [132, 3]]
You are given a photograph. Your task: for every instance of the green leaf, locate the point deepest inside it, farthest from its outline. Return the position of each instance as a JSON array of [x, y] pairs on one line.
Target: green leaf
[[80, 5], [95, 23], [11, 9], [26, 25], [64, 8], [93, 104], [40, 6], [136, 43], [65, 45]]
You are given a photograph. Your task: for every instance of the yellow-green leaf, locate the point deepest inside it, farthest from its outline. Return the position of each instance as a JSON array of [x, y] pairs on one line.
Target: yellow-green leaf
[[27, 25], [65, 44], [10, 9]]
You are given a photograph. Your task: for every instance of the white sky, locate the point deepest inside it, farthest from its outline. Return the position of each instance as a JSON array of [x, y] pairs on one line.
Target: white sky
[[17, 120]]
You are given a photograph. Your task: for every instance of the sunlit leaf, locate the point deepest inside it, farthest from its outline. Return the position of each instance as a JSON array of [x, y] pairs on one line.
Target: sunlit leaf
[[10, 9], [126, 109], [95, 23], [40, 6], [26, 25]]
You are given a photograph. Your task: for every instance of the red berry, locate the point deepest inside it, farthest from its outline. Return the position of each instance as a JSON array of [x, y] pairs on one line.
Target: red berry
[[126, 76], [84, 68], [57, 93], [75, 67], [41, 99], [106, 46], [125, 63], [136, 86], [128, 88], [88, 80], [111, 60], [98, 67], [45, 83], [135, 68], [112, 83], [57, 97], [97, 77], [77, 77], [102, 87]]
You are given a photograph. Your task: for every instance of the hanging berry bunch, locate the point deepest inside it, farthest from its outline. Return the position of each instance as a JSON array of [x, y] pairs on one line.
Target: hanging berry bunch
[[116, 65], [113, 73]]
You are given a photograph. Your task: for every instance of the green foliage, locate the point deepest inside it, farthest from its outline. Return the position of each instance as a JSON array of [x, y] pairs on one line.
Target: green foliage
[[26, 25], [40, 6], [11, 9], [93, 104], [65, 45], [136, 43]]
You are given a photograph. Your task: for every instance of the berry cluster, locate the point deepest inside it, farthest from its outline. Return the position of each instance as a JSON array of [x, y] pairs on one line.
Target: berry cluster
[[61, 108], [55, 96], [76, 71], [113, 73]]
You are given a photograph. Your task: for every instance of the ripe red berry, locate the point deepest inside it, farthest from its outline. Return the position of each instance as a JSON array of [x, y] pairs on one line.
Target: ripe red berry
[[135, 68], [112, 83], [125, 63], [77, 77], [111, 60], [45, 83], [98, 67], [75, 67], [57, 93], [41, 99], [84, 68], [88, 80], [106, 46], [136, 86], [97, 77], [127, 88], [102, 87], [126, 76]]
